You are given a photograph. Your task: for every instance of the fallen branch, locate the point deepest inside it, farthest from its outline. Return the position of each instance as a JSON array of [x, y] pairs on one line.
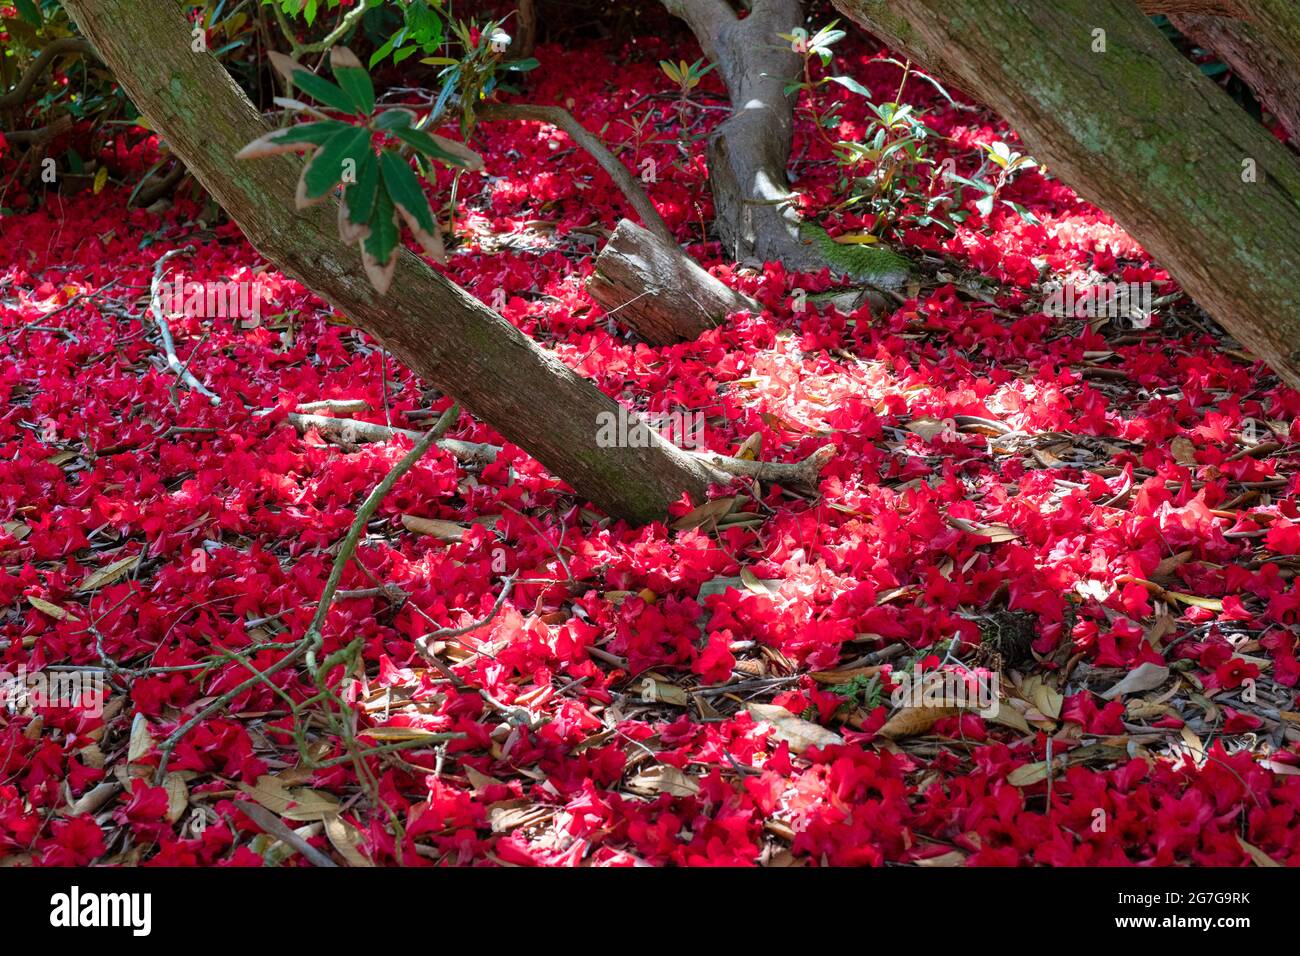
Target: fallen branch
[[724, 467], [150, 193], [48, 55], [180, 369], [803, 473], [335, 406], [560, 117], [352, 430], [39, 137]]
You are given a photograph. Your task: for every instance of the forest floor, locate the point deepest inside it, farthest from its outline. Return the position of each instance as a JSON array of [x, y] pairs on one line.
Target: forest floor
[[1081, 501]]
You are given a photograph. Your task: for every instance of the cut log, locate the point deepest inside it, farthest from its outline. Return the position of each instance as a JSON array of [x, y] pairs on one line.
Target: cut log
[[440, 331], [658, 291], [1136, 129], [1251, 52], [749, 152]]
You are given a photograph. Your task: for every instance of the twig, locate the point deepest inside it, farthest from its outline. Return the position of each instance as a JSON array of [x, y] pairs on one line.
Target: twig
[[349, 546], [562, 118], [74, 301], [350, 20], [164, 330], [422, 643], [335, 406], [351, 430]]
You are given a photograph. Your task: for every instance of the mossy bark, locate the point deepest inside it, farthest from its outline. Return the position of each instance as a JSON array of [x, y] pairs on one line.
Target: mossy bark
[[435, 327], [1135, 128]]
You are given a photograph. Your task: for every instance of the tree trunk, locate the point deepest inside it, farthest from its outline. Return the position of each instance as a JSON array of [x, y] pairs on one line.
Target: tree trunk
[[749, 151], [1215, 8], [1278, 22], [657, 290], [435, 327], [524, 29], [1138, 131], [1252, 55]]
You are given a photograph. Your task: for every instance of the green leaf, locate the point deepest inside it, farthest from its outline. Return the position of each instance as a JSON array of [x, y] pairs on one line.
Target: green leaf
[[379, 249], [852, 85], [448, 88], [422, 141], [391, 119], [354, 80], [323, 91], [29, 11], [404, 190], [293, 138], [359, 197], [1023, 213], [387, 47], [326, 168], [424, 24]]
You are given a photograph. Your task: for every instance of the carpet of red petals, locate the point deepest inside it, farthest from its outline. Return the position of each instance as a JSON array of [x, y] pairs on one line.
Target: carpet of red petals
[[104, 456]]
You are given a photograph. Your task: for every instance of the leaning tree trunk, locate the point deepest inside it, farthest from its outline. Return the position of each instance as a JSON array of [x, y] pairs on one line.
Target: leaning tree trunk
[[1278, 22], [1249, 52], [435, 327], [1137, 130], [1252, 53], [749, 151]]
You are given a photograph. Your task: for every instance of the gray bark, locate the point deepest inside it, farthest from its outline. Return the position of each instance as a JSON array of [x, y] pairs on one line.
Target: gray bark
[[749, 152]]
